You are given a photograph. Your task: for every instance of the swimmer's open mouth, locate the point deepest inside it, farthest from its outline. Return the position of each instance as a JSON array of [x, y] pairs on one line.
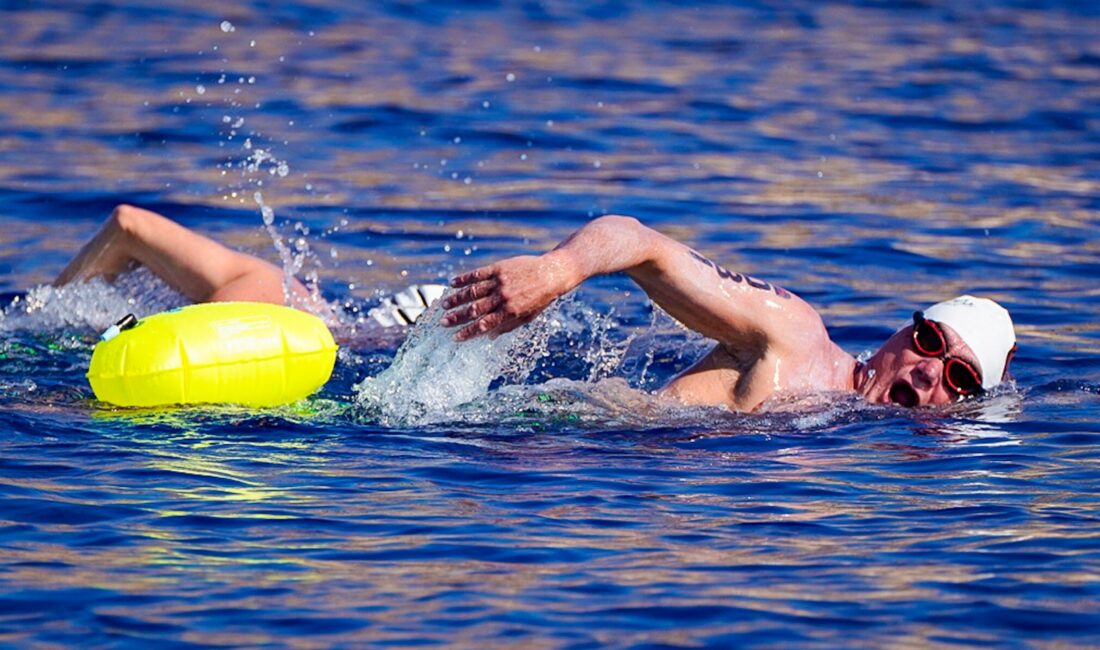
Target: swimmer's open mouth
[[903, 394]]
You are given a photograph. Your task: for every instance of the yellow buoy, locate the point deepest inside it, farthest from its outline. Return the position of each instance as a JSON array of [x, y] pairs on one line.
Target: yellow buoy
[[255, 354]]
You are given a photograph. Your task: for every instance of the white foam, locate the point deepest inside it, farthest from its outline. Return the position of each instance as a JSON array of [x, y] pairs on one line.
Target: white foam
[[434, 379], [432, 374], [92, 305]]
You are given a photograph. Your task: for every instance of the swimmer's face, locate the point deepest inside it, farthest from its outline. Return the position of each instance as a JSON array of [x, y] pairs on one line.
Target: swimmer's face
[[899, 374]]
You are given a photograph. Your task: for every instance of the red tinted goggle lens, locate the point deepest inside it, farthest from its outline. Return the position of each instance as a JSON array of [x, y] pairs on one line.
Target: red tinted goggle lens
[[929, 341], [961, 377], [928, 337]]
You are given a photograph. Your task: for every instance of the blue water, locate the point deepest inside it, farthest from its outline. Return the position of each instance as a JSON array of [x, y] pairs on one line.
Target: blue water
[[873, 157]]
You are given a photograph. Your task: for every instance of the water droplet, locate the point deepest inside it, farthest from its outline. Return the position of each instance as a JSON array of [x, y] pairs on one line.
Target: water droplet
[[227, 26], [200, 89], [510, 77]]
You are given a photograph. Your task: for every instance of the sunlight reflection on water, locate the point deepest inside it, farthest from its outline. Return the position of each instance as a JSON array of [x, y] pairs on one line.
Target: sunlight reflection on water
[[869, 157]]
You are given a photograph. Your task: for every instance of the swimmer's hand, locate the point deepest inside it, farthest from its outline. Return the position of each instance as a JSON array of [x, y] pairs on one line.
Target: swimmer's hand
[[498, 298]]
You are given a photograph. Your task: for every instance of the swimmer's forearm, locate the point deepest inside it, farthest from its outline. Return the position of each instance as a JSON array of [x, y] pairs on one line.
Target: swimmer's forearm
[[500, 297], [195, 265], [693, 290], [104, 255]]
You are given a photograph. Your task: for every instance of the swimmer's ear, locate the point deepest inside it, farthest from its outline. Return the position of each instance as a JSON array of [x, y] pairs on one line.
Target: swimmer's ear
[[1008, 360]]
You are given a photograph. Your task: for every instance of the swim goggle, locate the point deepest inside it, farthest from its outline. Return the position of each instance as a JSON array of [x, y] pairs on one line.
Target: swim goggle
[[960, 376]]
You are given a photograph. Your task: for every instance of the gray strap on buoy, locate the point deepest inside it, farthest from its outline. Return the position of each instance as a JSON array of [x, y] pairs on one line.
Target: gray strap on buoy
[[125, 323]]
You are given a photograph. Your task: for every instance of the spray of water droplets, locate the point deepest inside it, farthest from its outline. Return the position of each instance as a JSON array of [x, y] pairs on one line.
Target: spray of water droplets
[[252, 170], [432, 375], [89, 306]]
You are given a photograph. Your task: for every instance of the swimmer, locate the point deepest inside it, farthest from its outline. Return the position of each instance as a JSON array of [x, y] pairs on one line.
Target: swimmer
[[204, 270], [769, 342]]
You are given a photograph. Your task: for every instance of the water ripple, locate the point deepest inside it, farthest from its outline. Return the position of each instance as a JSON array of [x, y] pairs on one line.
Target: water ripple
[[871, 158]]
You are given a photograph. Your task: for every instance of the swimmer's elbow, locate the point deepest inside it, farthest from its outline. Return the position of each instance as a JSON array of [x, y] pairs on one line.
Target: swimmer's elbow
[[619, 223], [616, 219], [642, 244], [128, 220]]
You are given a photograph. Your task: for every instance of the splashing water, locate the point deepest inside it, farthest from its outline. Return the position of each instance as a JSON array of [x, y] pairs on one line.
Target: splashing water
[[432, 375], [91, 305], [511, 380], [294, 252]]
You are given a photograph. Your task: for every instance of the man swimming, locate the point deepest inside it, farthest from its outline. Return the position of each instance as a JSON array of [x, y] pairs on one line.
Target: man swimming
[[769, 342]]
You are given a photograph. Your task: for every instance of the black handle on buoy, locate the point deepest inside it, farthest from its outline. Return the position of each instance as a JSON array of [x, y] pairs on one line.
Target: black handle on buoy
[[123, 324]]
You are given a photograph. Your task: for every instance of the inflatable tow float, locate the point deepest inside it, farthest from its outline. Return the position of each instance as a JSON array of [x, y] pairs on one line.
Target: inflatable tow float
[[253, 354]]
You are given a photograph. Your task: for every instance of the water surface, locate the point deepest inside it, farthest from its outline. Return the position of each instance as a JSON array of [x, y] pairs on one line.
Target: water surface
[[872, 157]]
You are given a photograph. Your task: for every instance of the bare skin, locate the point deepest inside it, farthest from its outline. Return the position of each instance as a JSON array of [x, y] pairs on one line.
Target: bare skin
[[198, 267], [769, 341]]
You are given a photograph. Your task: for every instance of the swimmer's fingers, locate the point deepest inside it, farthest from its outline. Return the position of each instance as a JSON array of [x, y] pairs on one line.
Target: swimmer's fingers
[[477, 275], [487, 324], [494, 324], [472, 311], [471, 292]]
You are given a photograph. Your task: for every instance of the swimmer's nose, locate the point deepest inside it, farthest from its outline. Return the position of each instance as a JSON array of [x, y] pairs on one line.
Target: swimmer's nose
[[926, 374]]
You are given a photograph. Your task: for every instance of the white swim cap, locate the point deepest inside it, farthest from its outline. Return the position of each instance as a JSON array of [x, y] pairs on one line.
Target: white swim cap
[[983, 325]]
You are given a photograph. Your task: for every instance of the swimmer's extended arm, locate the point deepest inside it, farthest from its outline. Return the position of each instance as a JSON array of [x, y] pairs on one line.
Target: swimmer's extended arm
[[196, 266], [737, 310]]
